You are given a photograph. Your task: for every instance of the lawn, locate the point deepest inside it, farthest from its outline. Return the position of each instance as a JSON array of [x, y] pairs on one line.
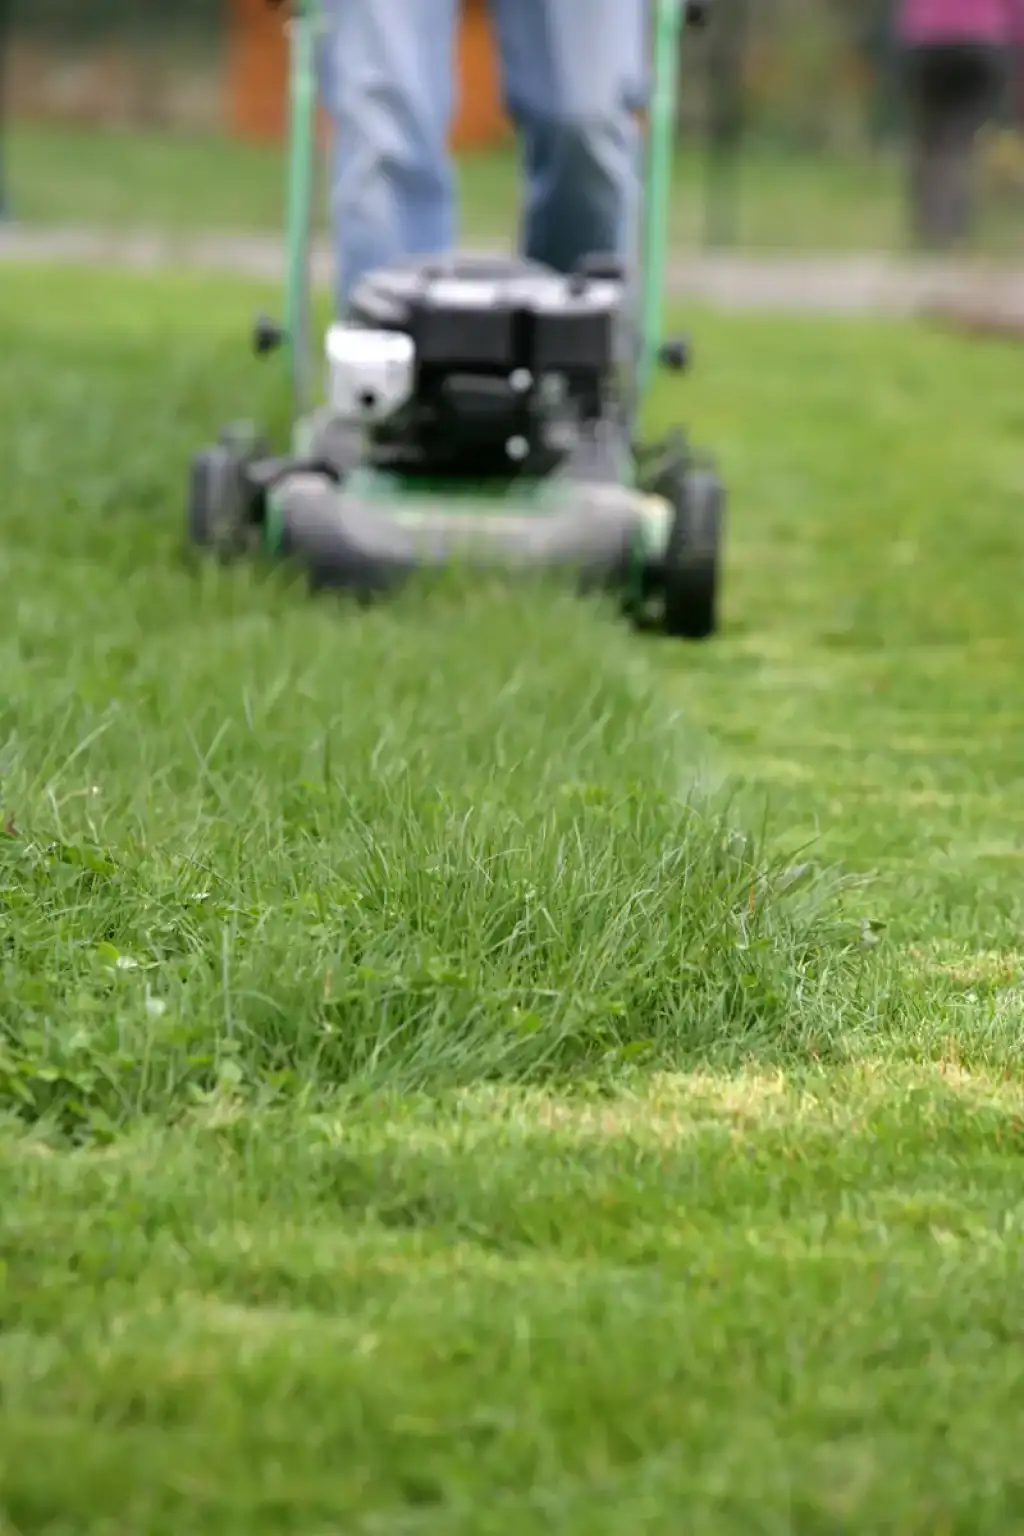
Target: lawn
[[788, 202], [466, 1069]]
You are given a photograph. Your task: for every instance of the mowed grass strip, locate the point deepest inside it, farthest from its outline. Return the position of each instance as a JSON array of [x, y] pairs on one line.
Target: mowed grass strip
[[733, 1304], [867, 685], [348, 1176]]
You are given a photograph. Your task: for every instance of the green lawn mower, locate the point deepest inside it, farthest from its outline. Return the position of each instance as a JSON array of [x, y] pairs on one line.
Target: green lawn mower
[[479, 411]]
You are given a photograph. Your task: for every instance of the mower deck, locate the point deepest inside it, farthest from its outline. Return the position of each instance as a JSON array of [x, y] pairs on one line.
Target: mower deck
[[366, 532]]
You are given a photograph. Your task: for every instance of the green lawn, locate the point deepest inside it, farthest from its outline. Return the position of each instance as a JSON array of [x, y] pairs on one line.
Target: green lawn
[[111, 180], [464, 1068]]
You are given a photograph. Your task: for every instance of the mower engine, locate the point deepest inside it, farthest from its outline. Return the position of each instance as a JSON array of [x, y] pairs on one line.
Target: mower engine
[[478, 369]]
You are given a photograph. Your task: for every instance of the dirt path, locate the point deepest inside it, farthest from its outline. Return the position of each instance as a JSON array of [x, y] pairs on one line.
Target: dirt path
[[854, 285]]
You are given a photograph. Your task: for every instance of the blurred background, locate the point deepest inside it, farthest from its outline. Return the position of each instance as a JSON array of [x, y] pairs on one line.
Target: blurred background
[[169, 116]]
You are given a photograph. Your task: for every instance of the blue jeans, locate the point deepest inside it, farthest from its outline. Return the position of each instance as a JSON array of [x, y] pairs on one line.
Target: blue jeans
[[574, 73]]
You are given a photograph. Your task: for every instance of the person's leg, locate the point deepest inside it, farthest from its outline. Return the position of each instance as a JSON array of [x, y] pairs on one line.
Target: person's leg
[[575, 76], [387, 80], [927, 89], [975, 90]]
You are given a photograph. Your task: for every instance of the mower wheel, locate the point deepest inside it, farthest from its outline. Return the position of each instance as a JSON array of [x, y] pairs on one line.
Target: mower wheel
[[219, 494], [690, 571]]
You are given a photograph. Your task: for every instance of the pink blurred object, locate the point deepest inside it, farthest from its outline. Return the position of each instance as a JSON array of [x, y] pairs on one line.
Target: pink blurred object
[[922, 22]]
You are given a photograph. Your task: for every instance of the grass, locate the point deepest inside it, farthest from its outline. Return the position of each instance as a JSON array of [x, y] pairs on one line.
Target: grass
[[445, 1083], [789, 202], [867, 685]]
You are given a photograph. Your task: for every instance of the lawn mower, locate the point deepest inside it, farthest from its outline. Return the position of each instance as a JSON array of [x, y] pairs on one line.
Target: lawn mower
[[478, 411]]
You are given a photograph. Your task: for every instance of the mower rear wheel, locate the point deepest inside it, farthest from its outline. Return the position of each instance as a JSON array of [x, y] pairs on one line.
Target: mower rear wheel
[[690, 571], [219, 501]]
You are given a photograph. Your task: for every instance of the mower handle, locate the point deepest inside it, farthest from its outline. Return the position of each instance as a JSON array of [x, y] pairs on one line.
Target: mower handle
[[697, 11]]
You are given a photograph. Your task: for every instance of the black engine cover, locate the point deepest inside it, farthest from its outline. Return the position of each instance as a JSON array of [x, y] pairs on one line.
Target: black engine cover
[[512, 361], [467, 313]]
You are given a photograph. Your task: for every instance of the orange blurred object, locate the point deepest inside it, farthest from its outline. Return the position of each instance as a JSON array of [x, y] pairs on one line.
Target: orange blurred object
[[257, 76]]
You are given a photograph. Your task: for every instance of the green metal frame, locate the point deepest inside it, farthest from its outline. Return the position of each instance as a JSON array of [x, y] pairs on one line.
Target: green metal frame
[[669, 21], [302, 25]]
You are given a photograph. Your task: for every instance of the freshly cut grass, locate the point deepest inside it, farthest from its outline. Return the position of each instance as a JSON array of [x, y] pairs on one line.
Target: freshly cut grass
[[723, 1305], [424, 1106]]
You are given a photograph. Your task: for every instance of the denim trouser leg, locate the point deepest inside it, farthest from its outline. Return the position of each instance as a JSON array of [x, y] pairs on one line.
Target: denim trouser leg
[[575, 72], [387, 80]]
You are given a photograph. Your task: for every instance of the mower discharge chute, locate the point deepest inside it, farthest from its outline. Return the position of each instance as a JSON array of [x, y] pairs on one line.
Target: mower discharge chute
[[478, 410]]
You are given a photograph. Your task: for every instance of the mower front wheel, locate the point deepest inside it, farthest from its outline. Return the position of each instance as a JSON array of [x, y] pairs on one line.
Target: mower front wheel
[[220, 496], [691, 560]]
